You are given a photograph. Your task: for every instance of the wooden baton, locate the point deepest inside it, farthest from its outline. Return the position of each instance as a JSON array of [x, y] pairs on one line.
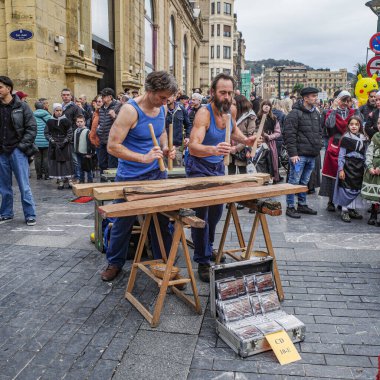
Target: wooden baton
[[170, 144], [155, 143], [258, 134], [228, 139]]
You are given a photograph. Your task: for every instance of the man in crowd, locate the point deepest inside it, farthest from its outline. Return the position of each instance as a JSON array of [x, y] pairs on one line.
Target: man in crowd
[[255, 101], [131, 142], [22, 95], [196, 101], [178, 116], [135, 93], [369, 107], [45, 103], [18, 129], [288, 103], [207, 148], [87, 110], [107, 115], [71, 111], [303, 134], [370, 127]]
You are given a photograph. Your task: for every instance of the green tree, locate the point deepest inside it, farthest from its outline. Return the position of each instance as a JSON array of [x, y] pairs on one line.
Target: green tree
[[297, 88]]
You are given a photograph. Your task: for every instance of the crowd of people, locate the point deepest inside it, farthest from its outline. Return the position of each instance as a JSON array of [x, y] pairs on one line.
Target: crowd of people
[[71, 143]]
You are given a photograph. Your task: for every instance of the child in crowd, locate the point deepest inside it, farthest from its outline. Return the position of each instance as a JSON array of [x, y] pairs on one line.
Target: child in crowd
[[351, 162], [84, 149], [371, 180], [59, 133]]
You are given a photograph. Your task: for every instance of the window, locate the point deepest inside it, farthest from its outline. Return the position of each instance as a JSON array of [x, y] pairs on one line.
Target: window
[[227, 71], [227, 52], [149, 67], [218, 7], [227, 8], [217, 71], [218, 51], [226, 30], [212, 30], [218, 30], [212, 8], [212, 51], [171, 46], [212, 73]]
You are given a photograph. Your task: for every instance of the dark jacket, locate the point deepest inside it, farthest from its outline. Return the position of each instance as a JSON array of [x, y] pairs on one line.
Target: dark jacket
[[303, 131], [59, 134], [365, 110], [180, 120], [24, 127], [371, 125], [256, 105], [192, 114], [106, 121], [71, 112]]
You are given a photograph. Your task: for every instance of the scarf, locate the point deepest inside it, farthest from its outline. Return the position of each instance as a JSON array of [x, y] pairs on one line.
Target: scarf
[[353, 142], [245, 116]]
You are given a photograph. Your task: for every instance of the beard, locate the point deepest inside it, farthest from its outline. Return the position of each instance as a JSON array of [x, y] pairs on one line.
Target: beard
[[222, 106]]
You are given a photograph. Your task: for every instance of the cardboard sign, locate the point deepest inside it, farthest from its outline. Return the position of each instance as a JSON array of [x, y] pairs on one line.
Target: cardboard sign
[[283, 347]]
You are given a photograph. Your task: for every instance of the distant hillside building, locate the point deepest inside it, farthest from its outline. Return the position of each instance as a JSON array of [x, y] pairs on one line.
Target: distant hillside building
[[325, 80]]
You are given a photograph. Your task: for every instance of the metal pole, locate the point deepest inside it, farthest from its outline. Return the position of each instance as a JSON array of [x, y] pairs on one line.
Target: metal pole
[[279, 85], [378, 24]]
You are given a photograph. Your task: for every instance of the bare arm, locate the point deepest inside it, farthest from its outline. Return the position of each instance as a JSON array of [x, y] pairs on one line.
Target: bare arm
[[125, 121]]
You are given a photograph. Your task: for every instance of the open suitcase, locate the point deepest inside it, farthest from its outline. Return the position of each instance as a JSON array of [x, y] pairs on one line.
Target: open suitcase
[[245, 303]]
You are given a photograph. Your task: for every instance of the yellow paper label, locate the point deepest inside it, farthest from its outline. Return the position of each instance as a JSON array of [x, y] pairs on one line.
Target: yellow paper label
[[283, 347]]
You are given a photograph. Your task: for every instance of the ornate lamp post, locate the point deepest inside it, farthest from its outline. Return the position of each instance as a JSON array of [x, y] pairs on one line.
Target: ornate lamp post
[[279, 69], [262, 81], [374, 5]]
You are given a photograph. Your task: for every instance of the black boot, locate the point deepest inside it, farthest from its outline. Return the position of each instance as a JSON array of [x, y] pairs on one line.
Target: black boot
[[204, 272], [373, 218]]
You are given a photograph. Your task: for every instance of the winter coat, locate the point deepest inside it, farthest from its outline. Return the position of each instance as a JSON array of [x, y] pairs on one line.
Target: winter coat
[[94, 138], [25, 126], [303, 131], [365, 110], [106, 121], [59, 134], [371, 125], [42, 116], [71, 111], [180, 120]]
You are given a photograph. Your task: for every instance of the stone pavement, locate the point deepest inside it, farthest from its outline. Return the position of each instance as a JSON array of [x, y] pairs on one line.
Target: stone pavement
[[58, 320]]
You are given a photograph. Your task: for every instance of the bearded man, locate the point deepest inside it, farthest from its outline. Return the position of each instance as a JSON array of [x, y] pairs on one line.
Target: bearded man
[[207, 148]]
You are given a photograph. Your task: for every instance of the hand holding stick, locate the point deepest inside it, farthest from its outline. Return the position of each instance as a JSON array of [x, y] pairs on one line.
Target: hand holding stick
[[228, 138], [170, 144], [258, 134], [155, 143]]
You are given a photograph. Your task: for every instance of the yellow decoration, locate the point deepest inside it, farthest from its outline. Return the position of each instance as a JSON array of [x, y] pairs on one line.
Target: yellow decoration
[[364, 86], [283, 347], [92, 237]]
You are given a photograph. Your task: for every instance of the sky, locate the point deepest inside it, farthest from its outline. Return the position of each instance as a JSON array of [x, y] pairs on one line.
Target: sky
[[321, 33]]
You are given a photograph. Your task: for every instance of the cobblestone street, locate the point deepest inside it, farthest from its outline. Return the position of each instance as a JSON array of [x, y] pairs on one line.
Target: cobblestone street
[[59, 320]]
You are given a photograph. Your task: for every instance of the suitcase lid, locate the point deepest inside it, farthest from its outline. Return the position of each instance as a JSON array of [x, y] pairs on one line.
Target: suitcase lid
[[236, 269]]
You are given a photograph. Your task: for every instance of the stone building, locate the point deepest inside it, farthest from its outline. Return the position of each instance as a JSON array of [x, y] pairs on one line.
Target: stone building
[[325, 80], [90, 44], [238, 54]]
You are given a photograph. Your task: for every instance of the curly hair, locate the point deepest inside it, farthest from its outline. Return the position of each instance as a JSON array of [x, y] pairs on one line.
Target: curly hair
[[161, 81]]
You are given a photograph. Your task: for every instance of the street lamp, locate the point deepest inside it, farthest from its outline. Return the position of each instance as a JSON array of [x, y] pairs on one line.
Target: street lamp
[[279, 69], [262, 81], [375, 8]]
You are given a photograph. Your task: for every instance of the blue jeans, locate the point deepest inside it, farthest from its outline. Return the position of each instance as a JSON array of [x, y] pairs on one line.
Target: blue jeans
[[82, 175], [300, 177], [16, 162], [203, 238], [75, 161], [106, 160], [122, 228]]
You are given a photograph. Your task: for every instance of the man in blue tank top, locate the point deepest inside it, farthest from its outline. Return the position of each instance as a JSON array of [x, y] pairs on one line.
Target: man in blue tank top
[[131, 142], [207, 149]]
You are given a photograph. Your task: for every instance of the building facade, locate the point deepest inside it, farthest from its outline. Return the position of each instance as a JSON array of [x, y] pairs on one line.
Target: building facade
[[325, 80], [87, 45], [239, 58]]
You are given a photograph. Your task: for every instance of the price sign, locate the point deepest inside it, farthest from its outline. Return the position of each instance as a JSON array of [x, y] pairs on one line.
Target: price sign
[[283, 347]]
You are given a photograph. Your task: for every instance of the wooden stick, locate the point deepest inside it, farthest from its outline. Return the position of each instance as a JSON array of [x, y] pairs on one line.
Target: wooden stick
[[155, 143], [170, 144], [228, 138], [258, 134]]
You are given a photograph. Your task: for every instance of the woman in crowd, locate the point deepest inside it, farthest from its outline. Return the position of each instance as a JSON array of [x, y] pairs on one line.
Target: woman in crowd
[[336, 126], [271, 133], [41, 158], [59, 133], [245, 121], [371, 181], [350, 169]]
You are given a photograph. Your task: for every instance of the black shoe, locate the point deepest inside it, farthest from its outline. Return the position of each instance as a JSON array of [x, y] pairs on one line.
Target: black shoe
[[373, 218], [31, 222], [39, 177], [251, 211], [346, 217], [292, 213], [204, 272], [215, 254], [354, 214], [239, 207], [304, 209], [330, 207], [311, 191], [4, 219]]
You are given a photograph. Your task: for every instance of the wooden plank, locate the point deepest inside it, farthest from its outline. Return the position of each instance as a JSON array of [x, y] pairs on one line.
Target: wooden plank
[[197, 200], [192, 221], [87, 189], [140, 307], [138, 197], [258, 134], [155, 143]]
